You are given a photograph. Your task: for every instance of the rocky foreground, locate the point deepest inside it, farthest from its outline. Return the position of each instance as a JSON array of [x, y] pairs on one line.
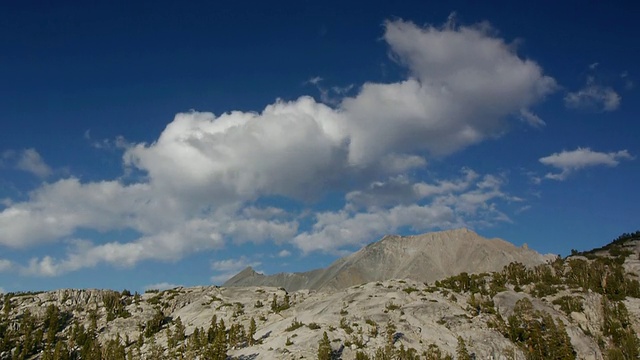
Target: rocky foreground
[[586, 306]]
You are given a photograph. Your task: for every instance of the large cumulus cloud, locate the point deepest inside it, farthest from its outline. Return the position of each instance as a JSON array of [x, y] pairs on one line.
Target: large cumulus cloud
[[205, 172]]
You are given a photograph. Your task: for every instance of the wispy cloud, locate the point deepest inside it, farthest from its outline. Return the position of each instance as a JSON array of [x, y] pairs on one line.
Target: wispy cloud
[[229, 267], [29, 160], [571, 161], [531, 118], [284, 253], [5, 265], [593, 96]]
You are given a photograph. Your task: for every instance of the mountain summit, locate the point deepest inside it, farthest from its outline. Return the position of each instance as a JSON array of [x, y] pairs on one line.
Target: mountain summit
[[427, 257]]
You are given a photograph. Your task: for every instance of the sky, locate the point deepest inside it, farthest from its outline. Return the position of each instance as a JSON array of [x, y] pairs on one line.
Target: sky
[[156, 144]]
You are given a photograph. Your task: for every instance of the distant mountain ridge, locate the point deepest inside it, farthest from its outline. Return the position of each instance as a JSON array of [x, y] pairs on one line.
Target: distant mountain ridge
[[427, 257]]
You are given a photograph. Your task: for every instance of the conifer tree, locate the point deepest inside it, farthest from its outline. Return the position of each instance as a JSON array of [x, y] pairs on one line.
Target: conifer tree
[[324, 348], [390, 332], [461, 350], [179, 331], [252, 332]]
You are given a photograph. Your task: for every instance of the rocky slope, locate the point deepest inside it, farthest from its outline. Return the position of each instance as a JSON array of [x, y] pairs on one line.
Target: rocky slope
[[426, 257], [586, 306]]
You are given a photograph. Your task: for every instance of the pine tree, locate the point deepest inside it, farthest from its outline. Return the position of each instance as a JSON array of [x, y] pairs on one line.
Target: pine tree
[[179, 331], [61, 352], [324, 348], [390, 332], [252, 331], [461, 350]]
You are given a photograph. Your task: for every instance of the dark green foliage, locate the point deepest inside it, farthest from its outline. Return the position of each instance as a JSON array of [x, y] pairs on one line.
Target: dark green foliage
[[463, 282], [344, 325], [616, 325], [252, 332], [313, 326], [410, 289], [114, 349], [517, 274], [541, 289], [390, 306], [602, 275], [277, 307], [294, 325], [480, 304], [569, 304], [54, 321], [537, 334], [406, 353], [114, 305], [461, 350], [324, 348], [617, 244], [434, 353], [154, 325]]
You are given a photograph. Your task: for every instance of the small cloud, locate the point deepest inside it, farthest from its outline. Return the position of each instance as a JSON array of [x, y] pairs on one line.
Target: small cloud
[[523, 209], [314, 80], [119, 143], [160, 286], [2, 291], [5, 265], [284, 253], [531, 118], [593, 97], [341, 90], [229, 267], [628, 83], [28, 160], [571, 161], [332, 95]]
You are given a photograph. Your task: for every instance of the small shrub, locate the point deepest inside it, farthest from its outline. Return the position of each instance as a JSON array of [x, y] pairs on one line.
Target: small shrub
[[390, 306], [294, 325]]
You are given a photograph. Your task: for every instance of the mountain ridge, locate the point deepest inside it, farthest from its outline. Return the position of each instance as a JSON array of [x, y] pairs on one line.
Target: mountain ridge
[[425, 257]]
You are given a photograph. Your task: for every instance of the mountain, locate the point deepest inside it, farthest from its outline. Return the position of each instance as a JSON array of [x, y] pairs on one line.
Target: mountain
[[425, 258], [586, 306]]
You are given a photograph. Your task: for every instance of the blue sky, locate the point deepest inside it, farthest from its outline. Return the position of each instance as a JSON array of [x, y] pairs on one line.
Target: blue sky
[[160, 144]]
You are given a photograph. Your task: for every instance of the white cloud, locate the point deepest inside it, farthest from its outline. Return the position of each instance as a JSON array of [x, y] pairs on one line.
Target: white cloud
[[119, 143], [571, 161], [284, 253], [466, 202], [531, 118], [160, 286], [206, 172], [593, 96], [229, 267], [464, 82], [2, 291], [28, 160], [5, 265]]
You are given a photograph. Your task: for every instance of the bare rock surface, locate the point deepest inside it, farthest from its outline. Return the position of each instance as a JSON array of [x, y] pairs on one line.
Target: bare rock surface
[[426, 258]]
